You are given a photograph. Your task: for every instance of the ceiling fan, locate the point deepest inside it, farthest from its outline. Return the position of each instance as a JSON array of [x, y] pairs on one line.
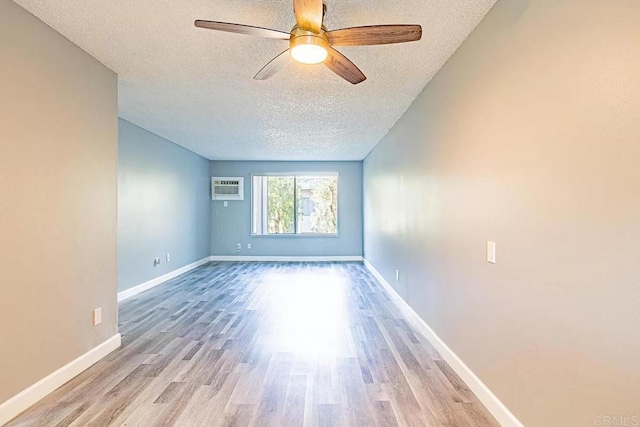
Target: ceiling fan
[[311, 43]]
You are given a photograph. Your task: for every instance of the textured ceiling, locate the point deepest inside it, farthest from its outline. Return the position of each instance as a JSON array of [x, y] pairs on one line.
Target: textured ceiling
[[196, 88]]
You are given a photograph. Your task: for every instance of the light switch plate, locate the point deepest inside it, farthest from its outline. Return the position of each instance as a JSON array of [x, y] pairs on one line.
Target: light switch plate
[[97, 316], [491, 252]]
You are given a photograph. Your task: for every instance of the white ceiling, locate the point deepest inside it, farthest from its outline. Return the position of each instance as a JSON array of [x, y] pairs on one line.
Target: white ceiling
[[196, 88]]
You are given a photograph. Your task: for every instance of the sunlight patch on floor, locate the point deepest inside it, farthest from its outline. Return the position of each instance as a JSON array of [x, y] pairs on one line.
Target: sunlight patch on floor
[[307, 313]]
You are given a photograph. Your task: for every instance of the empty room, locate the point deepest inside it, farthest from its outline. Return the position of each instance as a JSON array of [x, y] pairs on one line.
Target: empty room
[[320, 213]]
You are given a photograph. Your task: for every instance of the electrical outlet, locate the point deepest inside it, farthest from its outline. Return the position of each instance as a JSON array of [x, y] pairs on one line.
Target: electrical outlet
[[97, 316], [248, 245], [168, 257], [239, 247], [156, 262], [225, 204]]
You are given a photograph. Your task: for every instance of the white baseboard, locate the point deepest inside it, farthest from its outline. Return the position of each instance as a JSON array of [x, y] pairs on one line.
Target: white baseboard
[[23, 400], [285, 258], [488, 399], [128, 293]]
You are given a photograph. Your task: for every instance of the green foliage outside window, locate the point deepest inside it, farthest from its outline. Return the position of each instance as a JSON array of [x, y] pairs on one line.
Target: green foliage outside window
[[280, 204], [302, 204]]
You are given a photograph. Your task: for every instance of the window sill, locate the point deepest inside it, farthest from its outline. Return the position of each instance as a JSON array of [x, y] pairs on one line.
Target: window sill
[[297, 235]]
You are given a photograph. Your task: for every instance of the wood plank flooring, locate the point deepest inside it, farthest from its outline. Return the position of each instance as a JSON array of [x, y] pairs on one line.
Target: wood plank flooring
[[265, 344]]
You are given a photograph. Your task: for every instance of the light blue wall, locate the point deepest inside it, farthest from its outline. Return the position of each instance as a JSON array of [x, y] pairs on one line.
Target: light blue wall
[[234, 222], [163, 206]]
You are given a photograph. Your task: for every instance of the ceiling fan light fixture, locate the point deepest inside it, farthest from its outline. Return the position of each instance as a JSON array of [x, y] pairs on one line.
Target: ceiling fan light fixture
[[309, 53], [309, 48]]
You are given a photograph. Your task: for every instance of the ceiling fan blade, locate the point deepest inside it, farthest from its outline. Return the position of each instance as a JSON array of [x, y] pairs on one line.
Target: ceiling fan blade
[[309, 14], [375, 34], [243, 29], [342, 66], [275, 65]]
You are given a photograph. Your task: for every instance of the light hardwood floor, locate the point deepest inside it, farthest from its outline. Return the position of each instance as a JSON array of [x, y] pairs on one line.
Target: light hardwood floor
[[270, 344]]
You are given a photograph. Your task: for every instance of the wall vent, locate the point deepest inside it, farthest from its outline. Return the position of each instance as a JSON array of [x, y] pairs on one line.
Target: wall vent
[[227, 188]]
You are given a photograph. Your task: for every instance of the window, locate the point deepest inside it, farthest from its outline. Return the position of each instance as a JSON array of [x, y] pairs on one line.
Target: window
[[295, 204]]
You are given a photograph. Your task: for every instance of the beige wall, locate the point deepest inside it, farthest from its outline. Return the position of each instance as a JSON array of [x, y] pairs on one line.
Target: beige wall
[[529, 136], [58, 195]]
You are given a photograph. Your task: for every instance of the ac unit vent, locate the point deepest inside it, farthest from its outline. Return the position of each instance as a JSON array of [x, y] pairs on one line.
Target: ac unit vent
[[227, 188]]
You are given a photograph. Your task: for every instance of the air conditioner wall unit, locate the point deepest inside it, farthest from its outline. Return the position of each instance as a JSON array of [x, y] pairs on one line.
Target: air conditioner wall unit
[[227, 188]]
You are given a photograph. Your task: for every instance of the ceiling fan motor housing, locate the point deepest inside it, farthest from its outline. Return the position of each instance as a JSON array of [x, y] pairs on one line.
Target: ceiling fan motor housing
[[300, 37]]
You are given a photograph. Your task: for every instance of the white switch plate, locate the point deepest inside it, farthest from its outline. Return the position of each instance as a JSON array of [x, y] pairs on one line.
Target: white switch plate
[[239, 247], [226, 204], [491, 252], [97, 316], [168, 257], [248, 245], [397, 275]]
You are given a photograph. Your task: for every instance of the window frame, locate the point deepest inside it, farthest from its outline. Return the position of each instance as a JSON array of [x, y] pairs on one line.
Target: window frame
[[295, 213]]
